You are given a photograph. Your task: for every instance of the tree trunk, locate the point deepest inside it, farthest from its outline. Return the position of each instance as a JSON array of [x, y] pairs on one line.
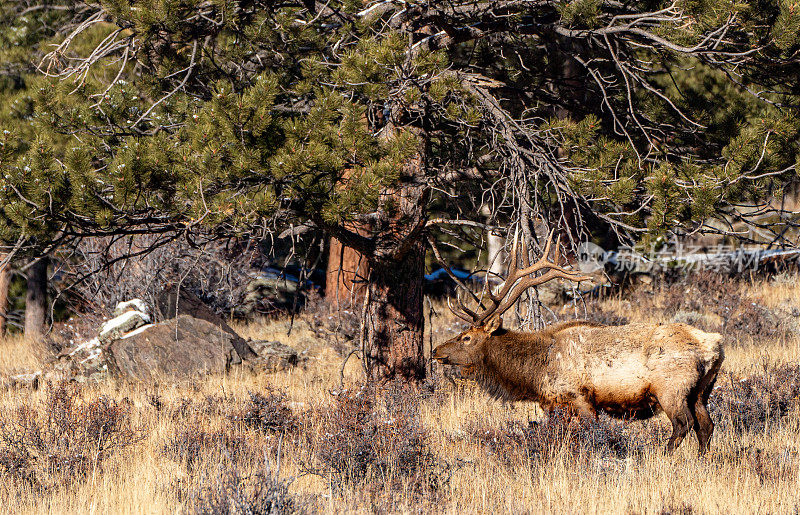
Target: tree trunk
[[395, 318], [36, 299], [395, 323], [5, 281], [347, 270], [346, 273], [496, 255]]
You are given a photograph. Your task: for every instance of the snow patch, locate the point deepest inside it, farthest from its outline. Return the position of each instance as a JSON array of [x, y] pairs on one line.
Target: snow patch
[[136, 304], [91, 344], [136, 331], [118, 323]]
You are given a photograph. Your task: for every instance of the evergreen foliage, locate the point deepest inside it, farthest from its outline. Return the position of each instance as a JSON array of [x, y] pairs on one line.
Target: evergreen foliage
[[229, 114], [361, 119]]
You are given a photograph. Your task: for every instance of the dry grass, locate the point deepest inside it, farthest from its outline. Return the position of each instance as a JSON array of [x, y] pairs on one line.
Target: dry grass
[[19, 355], [441, 448]]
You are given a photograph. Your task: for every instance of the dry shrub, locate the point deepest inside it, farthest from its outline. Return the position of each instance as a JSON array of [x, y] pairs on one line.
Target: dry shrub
[[561, 435], [192, 410], [701, 290], [182, 408], [76, 330], [217, 272], [751, 403], [64, 438], [222, 458], [758, 321], [195, 445], [226, 490], [268, 412], [339, 323], [723, 296], [373, 440], [767, 465], [594, 313], [214, 405]]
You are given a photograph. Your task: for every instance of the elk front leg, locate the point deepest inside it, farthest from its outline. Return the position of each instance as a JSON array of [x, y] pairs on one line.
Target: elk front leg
[[582, 410]]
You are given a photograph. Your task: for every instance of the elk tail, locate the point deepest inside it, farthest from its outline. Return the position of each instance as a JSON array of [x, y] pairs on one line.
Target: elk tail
[[710, 343]]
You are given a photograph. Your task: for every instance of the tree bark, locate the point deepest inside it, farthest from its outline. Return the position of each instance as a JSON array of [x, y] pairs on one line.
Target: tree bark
[[496, 255], [347, 270], [393, 248], [36, 299], [5, 282], [395, 318], [395, 322], [346, 273]]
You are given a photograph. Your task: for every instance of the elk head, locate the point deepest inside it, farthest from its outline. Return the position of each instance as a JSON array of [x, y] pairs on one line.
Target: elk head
[[468, 348]]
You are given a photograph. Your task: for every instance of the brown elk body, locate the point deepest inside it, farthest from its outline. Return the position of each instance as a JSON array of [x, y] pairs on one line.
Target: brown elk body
[[633, 371]]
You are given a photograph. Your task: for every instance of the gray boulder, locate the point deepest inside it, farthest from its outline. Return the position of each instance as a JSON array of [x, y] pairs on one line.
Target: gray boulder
[[184, 347], [181, 348], [174, 301], [121, 324], [272, 356]]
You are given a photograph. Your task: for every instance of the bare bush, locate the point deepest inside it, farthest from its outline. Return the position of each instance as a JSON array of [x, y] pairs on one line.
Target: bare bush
[[376, 442], [64, 438], [767, 465], [193, 445], [724, 296], [701, 290], [594, 313], [268, 412], [757, 321], [189, 410], [225, 490], [215, 272], [749, 404], [560, 435], [67, 334]]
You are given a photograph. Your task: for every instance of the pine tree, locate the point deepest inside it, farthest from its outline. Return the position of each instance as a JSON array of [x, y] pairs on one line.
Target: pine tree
[[36, 305], [387, 125], [27, 148], [5, 283]]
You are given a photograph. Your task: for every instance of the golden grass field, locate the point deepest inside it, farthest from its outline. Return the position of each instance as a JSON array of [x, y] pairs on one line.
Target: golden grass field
[[472, 455]]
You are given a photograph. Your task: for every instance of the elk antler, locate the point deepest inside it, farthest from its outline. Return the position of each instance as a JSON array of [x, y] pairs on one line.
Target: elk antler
[[518, 281]]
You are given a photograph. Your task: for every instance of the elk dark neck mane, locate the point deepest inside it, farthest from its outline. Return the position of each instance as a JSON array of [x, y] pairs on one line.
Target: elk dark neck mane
[[515, 362]]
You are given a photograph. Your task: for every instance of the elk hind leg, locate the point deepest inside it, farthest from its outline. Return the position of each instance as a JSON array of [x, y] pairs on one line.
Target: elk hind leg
[[682, 419], [704, 426]]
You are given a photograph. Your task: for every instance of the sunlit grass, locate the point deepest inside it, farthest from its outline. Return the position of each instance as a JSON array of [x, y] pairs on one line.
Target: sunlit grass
[[141, 479]]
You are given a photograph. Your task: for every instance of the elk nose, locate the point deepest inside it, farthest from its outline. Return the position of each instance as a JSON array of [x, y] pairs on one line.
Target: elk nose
[[437, 355]]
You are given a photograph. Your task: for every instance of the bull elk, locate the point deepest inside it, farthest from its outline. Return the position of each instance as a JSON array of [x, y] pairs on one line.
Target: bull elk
[[631, 372]]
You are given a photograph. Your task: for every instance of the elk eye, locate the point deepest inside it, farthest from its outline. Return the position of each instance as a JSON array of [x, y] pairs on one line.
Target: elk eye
[[466, 338]]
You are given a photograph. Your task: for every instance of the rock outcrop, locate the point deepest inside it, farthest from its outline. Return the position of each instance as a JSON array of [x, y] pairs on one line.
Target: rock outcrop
[[174, 302], [131, 347], [272, 356], [181, 348], [123, 323]]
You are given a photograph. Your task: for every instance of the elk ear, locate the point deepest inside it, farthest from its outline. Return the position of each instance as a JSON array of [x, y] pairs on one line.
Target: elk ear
[[494, 323]]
